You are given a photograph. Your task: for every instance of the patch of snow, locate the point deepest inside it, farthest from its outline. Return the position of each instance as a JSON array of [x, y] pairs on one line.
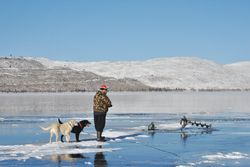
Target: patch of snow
[[220, 156]]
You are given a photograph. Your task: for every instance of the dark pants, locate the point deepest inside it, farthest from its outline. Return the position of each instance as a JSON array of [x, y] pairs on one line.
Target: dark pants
[[100, 120]]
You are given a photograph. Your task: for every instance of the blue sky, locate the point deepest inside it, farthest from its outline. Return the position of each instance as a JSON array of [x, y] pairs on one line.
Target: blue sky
[[92, 30]]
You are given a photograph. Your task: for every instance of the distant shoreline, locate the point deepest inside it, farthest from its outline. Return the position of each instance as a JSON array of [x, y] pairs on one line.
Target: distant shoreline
[[154, 90]]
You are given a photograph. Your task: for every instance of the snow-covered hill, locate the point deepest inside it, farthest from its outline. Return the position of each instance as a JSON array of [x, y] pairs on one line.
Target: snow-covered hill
[[171, 73], [242, 68], [28, 75], [187, 73]]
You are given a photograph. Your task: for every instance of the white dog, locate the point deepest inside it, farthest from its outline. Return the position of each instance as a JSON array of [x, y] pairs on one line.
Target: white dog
[[64, 129]]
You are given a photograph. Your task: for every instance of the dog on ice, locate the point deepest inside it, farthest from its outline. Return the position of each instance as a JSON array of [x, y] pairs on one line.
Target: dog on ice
[[77, 129], [63, 129]]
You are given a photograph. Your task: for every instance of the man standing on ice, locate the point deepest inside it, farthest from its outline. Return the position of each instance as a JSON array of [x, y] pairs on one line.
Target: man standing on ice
[[101, 104]]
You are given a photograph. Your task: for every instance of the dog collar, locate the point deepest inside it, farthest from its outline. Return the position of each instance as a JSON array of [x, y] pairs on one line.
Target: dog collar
[[80, 125]]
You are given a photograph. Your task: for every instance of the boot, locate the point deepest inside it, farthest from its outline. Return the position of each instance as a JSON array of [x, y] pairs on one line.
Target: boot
[[102, 137], [99, 136]]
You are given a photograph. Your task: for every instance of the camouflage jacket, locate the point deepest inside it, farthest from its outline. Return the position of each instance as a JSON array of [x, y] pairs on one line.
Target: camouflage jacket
[[101, 102]]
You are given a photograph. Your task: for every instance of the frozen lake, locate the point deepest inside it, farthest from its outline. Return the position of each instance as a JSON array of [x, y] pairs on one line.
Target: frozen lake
[[227, 143], [32, 104]]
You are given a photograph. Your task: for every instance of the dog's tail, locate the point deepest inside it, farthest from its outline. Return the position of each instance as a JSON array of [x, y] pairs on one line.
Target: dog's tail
[[48, 128], [60, 122]]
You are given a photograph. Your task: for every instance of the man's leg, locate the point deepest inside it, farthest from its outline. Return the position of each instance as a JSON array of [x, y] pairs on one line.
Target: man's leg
[[103, 123], [99, 125]]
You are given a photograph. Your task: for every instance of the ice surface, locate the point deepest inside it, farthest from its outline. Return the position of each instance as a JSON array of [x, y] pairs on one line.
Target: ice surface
[[26, 151], [220, 159], [129, 142], [222, 156]]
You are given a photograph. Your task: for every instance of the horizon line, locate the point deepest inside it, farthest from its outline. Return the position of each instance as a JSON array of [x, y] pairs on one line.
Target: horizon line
[[105, 60]]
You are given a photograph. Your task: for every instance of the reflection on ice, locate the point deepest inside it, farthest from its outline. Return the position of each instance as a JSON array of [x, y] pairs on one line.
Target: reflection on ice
[[66, 157], [100, 159], [59, 151], [38, 151]]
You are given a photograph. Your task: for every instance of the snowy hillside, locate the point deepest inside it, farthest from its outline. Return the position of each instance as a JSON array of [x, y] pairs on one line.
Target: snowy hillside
[[171, 73], [27, 75], [182, 73], [242, 68]]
